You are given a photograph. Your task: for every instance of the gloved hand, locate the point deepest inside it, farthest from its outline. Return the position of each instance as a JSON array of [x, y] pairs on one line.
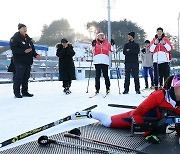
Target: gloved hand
[[152, 139], [156, 41], [143, 50], [162, 42], [112, 42], [94, 43]]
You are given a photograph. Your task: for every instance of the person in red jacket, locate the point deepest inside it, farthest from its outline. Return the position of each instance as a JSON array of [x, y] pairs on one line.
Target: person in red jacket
[[101, 60], [167, 98], [161, 48]]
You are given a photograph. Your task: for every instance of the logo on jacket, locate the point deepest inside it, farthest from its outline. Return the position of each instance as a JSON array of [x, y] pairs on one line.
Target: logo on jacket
[[23, 42]]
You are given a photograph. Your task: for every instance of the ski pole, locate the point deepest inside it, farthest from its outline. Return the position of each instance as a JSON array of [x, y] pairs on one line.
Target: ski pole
[[102, 142], [45, 141], [115, 58], [90, 72]]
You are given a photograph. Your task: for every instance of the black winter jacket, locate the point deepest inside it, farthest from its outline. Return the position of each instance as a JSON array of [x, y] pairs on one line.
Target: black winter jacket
[[131, 56], [18, 45], [66, 63]]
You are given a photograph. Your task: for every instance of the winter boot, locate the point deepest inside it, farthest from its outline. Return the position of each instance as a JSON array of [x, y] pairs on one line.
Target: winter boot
[[138, 92], [125, 92], [18, 95], [107, 91], [67, 91], [97, 92], [156, 88], [152, 87], [26, 94], [80, 115]]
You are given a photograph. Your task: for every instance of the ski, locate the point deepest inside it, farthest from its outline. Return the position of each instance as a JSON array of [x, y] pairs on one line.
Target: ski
[[39, 129], [122, 106], [44, 140], [93, 96], [144, 96], [147, 89], [105, 95]]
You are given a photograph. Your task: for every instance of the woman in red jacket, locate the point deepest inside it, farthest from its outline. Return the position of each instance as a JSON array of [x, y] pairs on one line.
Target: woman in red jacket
[[167, 98], [101, 60]]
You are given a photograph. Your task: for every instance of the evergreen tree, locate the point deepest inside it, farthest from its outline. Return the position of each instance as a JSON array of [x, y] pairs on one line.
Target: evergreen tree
[[120, 30], [57, 30]]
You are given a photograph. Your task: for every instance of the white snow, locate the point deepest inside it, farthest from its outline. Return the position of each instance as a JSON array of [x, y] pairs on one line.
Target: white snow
[[50, 104]]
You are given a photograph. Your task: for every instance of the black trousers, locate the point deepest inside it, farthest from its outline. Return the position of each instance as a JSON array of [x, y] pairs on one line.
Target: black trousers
[[21, 78], [131, 68], [104, 69], [161, 73], [66, 83]]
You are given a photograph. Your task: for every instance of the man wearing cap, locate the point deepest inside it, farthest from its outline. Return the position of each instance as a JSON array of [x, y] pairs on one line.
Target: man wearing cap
[[23, 52], [131, 51], [147, 64], [65, 53], [101, 60], [161, 48]]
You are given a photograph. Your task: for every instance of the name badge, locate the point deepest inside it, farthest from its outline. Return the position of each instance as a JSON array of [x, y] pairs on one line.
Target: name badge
[[177, 120]]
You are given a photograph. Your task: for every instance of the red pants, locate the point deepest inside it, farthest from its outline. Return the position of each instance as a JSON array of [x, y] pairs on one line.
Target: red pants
[[122, 120]]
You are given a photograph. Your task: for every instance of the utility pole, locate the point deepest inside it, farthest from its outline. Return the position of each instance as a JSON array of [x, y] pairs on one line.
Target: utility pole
[[178, 32], [109, 22], [109, 30]]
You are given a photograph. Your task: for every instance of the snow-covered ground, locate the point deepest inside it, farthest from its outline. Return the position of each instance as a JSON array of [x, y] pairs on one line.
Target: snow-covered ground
[[49, 104]]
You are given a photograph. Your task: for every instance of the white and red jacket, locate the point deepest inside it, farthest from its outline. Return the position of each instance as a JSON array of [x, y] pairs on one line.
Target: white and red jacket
[[101, 52], [161, 53]]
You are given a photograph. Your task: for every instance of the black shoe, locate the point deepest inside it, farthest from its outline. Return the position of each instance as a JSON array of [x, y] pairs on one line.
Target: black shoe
[[68, 92], [146, 87], [107, 91], [18, 95], [138, 92], [125, 92], [26, 94], [64, 90], [156, 87], [161, 87], [97, 92]]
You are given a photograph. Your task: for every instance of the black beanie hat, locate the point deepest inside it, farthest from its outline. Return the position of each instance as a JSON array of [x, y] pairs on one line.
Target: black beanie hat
[[147, 41], [64, 40], [132, 34], [21, 25], [160, 28]]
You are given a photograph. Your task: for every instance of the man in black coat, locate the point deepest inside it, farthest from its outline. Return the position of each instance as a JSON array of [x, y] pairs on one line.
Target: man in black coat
[[23, 52], [131, 51], [65, 53]]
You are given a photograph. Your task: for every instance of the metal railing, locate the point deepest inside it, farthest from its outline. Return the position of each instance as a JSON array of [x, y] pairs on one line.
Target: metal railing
[[7, 77]]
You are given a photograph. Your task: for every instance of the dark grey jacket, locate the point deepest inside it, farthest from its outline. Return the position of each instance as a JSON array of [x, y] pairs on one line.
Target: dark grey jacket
[[18, 45], [131, 56]]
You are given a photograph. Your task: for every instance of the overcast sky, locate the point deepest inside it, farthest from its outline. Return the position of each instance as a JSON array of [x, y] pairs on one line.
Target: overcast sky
[[35, 13]]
